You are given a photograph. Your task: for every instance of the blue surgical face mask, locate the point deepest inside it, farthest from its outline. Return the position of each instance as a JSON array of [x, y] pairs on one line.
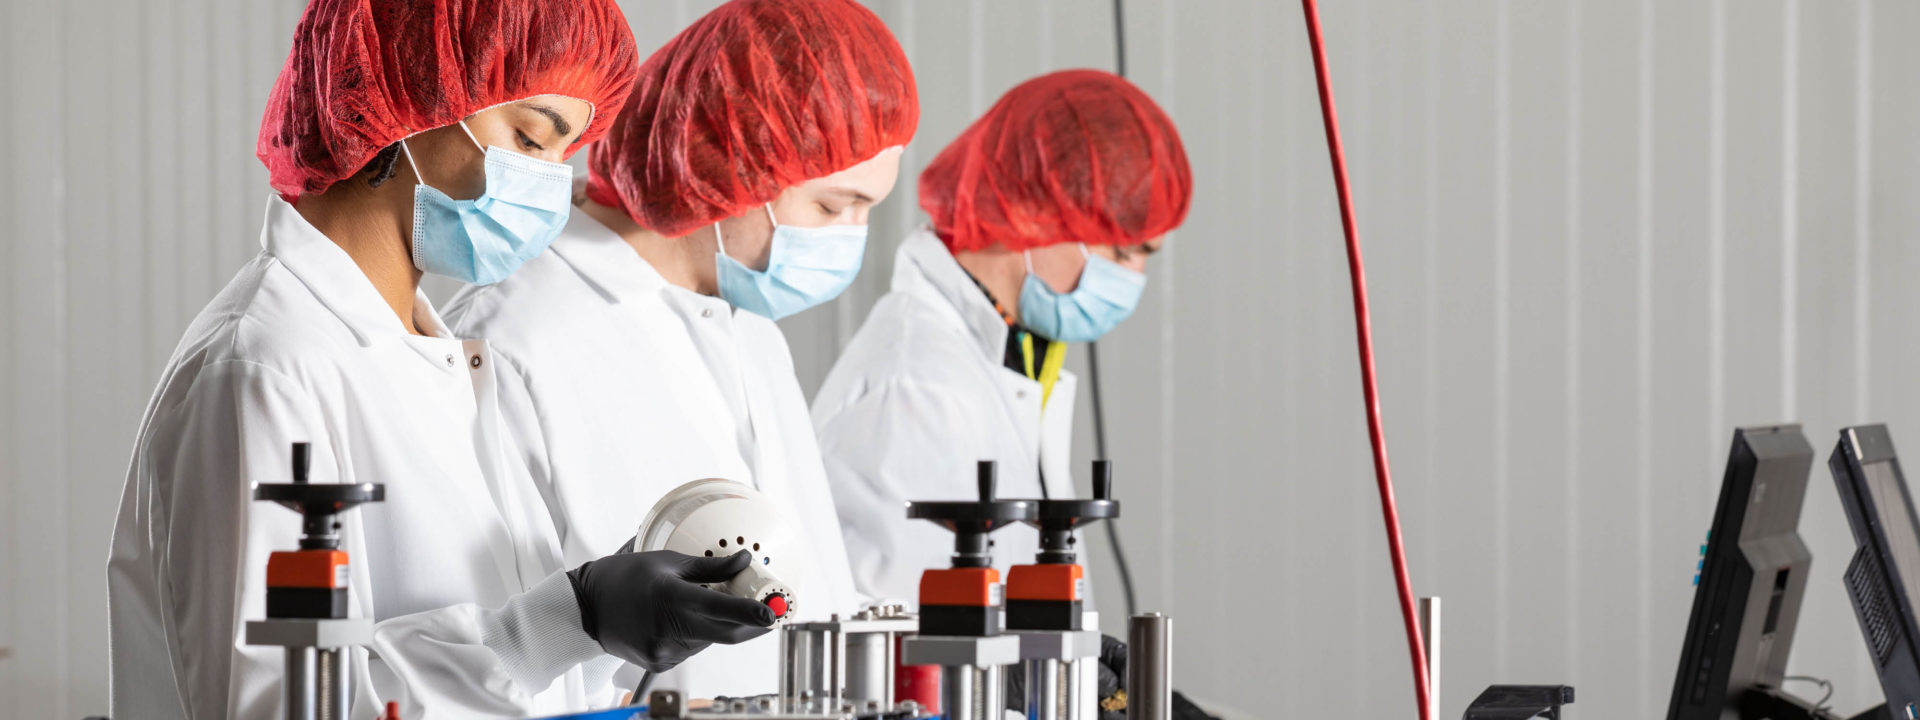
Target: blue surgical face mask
[[483, 240], [805, 267], [1107, 294]]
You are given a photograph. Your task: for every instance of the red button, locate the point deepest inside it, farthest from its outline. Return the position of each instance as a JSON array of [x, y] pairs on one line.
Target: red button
[[778, 604]]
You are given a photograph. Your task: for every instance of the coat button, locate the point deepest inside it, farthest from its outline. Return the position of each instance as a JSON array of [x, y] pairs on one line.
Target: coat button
[[1020, 394], [450, 360], [707, 313], [474, 363]]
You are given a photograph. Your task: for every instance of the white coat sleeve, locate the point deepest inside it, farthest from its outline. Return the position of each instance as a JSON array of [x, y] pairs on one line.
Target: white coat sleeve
[[899, 441], [234, 427]]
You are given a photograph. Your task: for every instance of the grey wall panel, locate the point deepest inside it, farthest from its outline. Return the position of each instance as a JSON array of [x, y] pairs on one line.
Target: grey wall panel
[[1539, 241], [1605, 276]]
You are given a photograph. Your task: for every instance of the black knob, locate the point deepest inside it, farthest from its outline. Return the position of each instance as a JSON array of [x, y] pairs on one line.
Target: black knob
[[1102, 479], [985, 475], [301, 462]]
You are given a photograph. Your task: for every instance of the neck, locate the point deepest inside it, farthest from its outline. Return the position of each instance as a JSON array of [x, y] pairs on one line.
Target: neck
[[372, 225], [1000, 271], [685, 261]]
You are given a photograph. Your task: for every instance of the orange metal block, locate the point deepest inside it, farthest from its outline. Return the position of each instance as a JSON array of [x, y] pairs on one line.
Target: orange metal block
[[966, 587], [307, 569], [1045, 582]]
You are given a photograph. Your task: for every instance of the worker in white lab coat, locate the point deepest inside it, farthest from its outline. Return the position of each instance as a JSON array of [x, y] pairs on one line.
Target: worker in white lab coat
[[324, 338], [641, 353], [1043, 214]]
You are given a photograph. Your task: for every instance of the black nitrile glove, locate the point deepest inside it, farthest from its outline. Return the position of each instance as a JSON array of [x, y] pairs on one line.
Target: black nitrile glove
[[649, 609], [1113, 679]]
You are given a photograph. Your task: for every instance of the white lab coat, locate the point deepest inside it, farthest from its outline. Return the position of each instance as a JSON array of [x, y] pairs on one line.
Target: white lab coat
[[458, 567], [919, 396], [625, 386]]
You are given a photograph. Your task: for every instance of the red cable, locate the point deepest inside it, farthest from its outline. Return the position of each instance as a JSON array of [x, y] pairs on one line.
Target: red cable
[[1375, 428]]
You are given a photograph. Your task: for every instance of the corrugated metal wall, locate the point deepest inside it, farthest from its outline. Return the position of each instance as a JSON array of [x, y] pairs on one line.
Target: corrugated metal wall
[[1601, 234]]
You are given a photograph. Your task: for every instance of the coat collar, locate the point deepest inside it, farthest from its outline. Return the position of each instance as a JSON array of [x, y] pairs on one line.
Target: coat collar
[[331, 275], [924, 260], [605, 260]]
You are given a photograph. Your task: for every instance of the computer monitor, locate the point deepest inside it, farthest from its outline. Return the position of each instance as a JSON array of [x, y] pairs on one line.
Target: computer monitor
[[1884, 578], [1753, 573]]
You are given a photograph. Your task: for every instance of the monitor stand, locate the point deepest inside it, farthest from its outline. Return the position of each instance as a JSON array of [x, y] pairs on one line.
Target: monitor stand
[[1776, 704]]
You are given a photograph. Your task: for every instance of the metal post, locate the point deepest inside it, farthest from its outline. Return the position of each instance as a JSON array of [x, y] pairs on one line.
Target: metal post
[[836, 667], [957, 690], [1048, 695], [1430, 633], [333, 673], [299, 690], [1086, 689], [799, 648], [992, 694], [1150, 667], [891, 641]]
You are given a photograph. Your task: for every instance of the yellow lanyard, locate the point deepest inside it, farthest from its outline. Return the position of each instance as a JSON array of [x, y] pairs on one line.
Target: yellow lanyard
[[1049, 365]]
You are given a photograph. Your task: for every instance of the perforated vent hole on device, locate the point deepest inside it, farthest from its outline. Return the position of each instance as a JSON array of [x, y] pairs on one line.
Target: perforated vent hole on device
[[1865, 584], [736, 544]]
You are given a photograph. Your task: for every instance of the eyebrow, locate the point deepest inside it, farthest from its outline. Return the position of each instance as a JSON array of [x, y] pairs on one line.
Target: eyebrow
[[560, 124], [855, 194]]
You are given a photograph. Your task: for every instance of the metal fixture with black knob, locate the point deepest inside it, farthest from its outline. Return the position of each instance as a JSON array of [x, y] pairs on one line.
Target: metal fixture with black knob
[[307, 598]]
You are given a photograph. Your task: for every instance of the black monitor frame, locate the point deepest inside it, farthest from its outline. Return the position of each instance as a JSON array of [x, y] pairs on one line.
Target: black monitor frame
[[1753, 576], [1877, 583]]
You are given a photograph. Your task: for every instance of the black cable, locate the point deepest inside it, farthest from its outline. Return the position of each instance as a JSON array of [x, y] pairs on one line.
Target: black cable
[[1093, 356], [642, 689], [1100, 449]]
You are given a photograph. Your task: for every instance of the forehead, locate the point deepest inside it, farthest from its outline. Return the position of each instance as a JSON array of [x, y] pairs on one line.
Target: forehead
[[870, 177]]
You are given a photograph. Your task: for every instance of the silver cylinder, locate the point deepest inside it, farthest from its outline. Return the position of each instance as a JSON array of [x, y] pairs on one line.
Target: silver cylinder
[[836, 642], [797, 672], [1150, 667], [333, 678], [870, 668], [300, 690], [971, 693], [1083, 676], [1049, 690]]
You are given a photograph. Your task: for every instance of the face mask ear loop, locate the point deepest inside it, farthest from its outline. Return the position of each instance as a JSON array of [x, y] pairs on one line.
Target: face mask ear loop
[[469, 132], [719, 240], [771, 218], [1028, 255], [411, 165]]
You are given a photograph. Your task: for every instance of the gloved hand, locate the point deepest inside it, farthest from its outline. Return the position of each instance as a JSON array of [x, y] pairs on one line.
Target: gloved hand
[[648, 608], [1112, 686]]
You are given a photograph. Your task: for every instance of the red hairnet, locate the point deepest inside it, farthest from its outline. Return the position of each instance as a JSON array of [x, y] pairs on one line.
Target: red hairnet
[[1074, 156], [364, 74], [755, 97]]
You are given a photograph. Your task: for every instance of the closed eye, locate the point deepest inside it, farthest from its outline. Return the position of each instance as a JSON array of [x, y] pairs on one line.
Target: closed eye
[[527, 142]]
